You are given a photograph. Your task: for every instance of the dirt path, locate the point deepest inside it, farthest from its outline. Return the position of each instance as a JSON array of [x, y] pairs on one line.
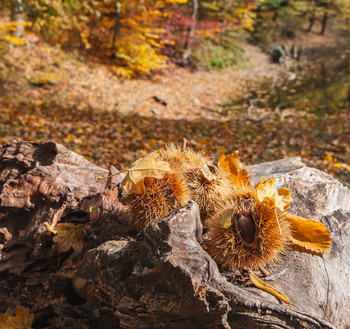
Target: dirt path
[[46, 74], [192, 95]]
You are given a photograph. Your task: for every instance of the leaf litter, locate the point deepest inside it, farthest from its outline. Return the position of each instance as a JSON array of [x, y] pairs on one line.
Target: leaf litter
[[110, 122]]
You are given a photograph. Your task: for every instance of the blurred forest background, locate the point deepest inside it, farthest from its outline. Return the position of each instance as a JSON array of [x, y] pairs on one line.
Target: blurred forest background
[[115, 79]]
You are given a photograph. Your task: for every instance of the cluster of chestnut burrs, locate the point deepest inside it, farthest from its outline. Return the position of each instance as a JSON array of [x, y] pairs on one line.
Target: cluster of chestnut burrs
[[248, 226]]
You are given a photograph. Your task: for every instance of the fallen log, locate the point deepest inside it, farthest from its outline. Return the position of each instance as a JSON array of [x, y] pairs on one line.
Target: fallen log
[[161, 278]]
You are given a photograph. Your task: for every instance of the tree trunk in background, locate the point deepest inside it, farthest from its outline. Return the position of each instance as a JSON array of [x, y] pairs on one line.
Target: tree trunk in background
[[311, 21], [16, 15], [161, 278], [324, 23], [117, 25], [188, 48]]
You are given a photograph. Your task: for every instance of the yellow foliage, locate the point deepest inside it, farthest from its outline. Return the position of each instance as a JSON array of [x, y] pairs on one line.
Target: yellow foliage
[[176, 1], [128, 30], [6, 33], [309, 236]]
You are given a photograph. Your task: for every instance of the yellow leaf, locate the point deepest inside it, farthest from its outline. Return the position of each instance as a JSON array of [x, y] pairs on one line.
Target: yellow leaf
[[22, 319], [67, 236], [284, 199], [308, 235], [225, 219], [328, 158], [266, 192], [337, 165], [233, 165], [14, 40], [268, 288], [150, 166], [69, 138]]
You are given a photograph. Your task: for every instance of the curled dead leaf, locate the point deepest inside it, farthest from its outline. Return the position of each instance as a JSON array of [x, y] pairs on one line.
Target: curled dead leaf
[[308, 235], [268, 288], [266, 192], [21, 320], [231, 163], [149, 166], [210, 171], [233, 166]]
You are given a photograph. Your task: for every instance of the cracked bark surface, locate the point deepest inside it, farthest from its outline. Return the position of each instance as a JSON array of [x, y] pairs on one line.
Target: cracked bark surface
[[161, 278]]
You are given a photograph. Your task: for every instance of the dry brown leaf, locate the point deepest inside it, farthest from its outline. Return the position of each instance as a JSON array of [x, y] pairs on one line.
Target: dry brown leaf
[[210, 171], [233, 165], [149, 166], [308, 235], [268, 288], [21, 320], [66, 236], [266, 192]]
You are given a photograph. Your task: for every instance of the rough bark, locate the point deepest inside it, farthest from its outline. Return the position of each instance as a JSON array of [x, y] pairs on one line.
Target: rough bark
[[161, 278]]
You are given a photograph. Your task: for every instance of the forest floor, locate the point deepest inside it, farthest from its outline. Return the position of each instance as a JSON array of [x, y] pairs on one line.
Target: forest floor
[[47, 93]]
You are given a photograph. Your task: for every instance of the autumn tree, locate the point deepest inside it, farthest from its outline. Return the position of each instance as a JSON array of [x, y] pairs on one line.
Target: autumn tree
[[128, 32]]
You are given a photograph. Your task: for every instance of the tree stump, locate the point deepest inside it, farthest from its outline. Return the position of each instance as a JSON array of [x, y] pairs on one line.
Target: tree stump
[[161, 278]]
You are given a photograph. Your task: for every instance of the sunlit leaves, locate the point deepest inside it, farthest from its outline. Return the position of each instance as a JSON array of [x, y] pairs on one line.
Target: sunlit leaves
[[126, 31], [7, 30], [309, 236], [21, 320], [266, 192], [232, 164]]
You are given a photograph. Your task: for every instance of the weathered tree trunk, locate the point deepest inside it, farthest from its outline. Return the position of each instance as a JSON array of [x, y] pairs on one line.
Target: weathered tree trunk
[[161, 278]]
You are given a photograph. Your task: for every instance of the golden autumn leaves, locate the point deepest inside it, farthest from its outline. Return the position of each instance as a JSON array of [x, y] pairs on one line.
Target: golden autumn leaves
[[248, 225]]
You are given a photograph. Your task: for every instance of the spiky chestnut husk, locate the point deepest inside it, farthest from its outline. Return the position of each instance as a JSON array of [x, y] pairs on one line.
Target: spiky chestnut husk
[[258, 234], [160, 198], [208, 192], [178, 157]]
